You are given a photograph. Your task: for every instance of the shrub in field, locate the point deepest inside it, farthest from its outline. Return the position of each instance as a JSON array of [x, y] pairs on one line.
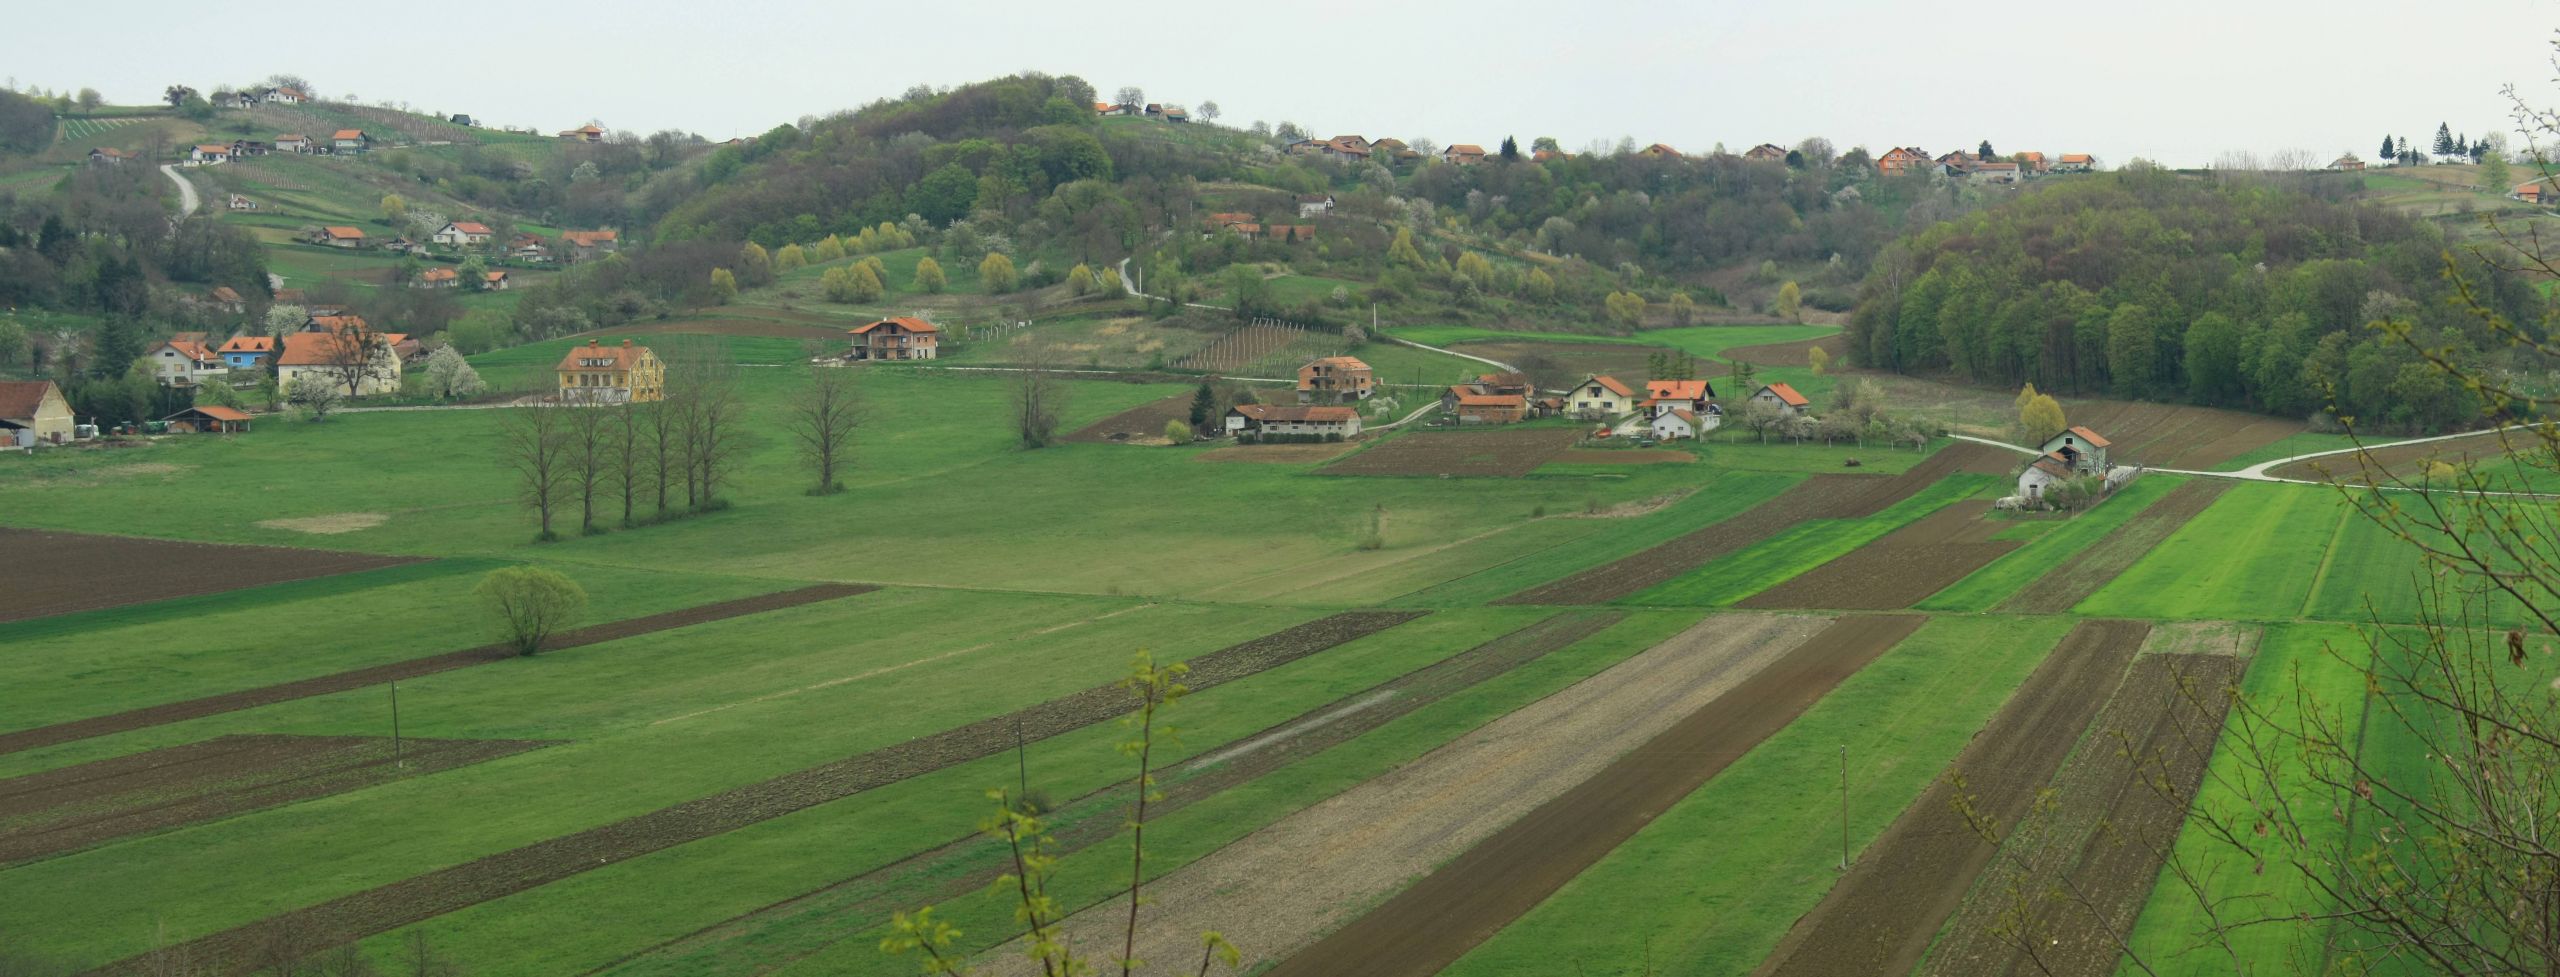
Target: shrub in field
[[1177, 431], [531, 604]]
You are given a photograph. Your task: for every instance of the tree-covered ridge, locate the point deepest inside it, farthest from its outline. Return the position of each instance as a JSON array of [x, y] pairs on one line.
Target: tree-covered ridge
[[2147, 284]]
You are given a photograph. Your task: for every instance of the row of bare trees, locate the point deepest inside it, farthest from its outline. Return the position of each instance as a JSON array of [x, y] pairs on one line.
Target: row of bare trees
[[655, 459]]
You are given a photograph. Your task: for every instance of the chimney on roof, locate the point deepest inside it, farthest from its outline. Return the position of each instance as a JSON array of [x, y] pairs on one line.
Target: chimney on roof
[[626, 342], [592, 342]]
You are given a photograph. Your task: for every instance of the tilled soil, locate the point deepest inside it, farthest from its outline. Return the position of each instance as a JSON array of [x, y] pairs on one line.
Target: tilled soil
[[1464, 900], [2076, 578], [44, 573], [1272, 454], [1880, 917], [58, 811], [1819, 497], [847, 907], [1624, 456], [1898, 569], [1497, 453], [1144, 422], [180, 711], [435, 893], [2179, 436], [2070, 880]]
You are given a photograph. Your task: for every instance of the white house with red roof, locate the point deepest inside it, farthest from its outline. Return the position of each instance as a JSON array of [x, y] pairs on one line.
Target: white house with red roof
[[462, 234], [1783, 398], [185, 361], [2076, 452], [1599, 396], [899, 338], [349, 142]]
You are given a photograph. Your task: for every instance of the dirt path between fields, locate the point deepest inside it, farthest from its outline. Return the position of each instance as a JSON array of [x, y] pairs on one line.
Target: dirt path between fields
[[420, 897], [44, 573], [65, 810], [2069, 881], [1880, 917], [1274, 891], [1899, 568], [1439, 918], [2066, 585], [964, 866], [1819, 497], [212, 705]]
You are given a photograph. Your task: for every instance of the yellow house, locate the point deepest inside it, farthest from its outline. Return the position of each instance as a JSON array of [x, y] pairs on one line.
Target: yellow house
[[600, 374]]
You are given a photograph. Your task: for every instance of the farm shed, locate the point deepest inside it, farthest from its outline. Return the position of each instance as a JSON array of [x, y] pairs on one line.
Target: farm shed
[[208, 419], [1473, 406], [33, 410], [1253, 420]]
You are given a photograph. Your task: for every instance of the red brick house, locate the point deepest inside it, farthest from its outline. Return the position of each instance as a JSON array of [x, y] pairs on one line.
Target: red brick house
[[1335, 379]]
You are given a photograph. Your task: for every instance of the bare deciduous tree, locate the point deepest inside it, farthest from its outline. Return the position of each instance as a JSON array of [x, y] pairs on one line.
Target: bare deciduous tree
[[1039, 398], [534, 442], [823, 417], [590, 439]]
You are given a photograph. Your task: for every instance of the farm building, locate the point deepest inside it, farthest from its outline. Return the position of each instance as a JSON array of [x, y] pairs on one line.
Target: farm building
[[349, 141], [496, 281], [461, 234], [1472, 404], [2076, 163], [437, 278], [2083, 449], [1663, 151], [1506, 383], [109, 155], [1681, 424], [1904, 159], [248, 352], [238, 202], [1768, 152], [340, 237], [33, 411], [185, 361], [332, 354], [1784, 398], [1320, 205], [1256, 420], [589, 245], [293, 143], [1600, 396], [1334, 379], [209, 154], [900, 338], [590, 132], [1463, 154], [208, 419], [599, 374]]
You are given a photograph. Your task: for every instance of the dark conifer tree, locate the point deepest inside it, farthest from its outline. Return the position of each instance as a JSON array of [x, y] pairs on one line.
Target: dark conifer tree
[[2389, 150]]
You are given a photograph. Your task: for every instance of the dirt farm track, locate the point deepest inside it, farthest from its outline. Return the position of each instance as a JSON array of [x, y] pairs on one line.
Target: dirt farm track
[[46, 573]]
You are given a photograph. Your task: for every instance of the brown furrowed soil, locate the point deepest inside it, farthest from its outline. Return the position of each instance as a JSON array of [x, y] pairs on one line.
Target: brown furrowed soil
[[59, 811], [185, 709], [847, 908], [1880, 917], [1791, 354], [2086, 571], [2408, 463], [2178, 436], [1622, 456], [1143, 423], [2070, 879], [1466, 899], [1273, 454], [1498, 453], [435, 893], [43, 573], [1898, 569], [1819, 497]]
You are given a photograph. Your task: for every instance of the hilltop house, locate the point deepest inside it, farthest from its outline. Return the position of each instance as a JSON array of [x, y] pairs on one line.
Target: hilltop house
[[245, 352], [2347, 163], [2032, 162], [1315, 205], [589, 245], [207, 154], [600, 374], [1599, 396], [184, 361], [1662, 151], [293, 143], [1463, 154], [1901, 160], [899, 338], [247, 147], [1334, 379], [284, 96], [1393, 148], [332, 353], [110, 155], [1766, 151], [1993, 172], [227, 299], [527, 247], [1471, 403], [461, 234], [1783, 398], [2078, 163], [349, 141], [585, 133], [33, 411], [340, 237], [1248, 421]]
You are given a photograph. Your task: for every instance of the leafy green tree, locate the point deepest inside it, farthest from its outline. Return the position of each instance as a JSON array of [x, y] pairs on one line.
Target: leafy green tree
[[1539, 286], [863, 284], [474, 272], [394, 209], [997, 272], [531, 604], [1177, 432], [1402, 252], [13, 341], [830, 248], [1624, 308], [2131, 350], [929, 275], [790, 256], [1080, 279], [119, 344], [2493, 171], [1473, 267], [1791, 302], [945, 195], [724, 284], [1684, 310], [754, 264], [2041, 418], [1816, 358]]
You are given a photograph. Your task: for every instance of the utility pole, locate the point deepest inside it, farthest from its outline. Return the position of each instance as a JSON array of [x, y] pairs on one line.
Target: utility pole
[[1021, 764], [396, 761], [1844, 807]]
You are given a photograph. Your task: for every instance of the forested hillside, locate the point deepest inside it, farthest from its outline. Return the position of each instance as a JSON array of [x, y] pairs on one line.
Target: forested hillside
[[2150, 285]]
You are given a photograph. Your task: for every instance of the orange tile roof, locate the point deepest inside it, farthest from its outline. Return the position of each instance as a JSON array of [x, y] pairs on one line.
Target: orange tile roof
[[439, 275], [471, 227], [211, 149], [1677, 389], [225, 293], [624, 357], [215, 411], [908, 323], [1464, 149], [250, 344], [347, 134], [343, 233], [311, 349], [589, 238], [1614, 386], [2094, 439], [2053, 463], [2078, 158], [191, 349], [1291, 412], [1787, 395], [19, 399], [339, 323]]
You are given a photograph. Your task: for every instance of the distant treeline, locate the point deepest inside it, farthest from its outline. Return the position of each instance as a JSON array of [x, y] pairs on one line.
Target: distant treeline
[[2151, 285]]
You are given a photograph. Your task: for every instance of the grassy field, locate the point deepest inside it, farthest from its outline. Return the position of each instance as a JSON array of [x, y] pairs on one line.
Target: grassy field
[[2048, 544], [1713, 883], [2254, 555]]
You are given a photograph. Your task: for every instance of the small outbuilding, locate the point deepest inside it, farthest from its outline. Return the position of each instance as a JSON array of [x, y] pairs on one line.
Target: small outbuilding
[[208, 419]]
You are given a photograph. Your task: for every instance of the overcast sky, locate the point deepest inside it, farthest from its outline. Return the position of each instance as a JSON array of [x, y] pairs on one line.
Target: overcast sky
[[2179, 81]]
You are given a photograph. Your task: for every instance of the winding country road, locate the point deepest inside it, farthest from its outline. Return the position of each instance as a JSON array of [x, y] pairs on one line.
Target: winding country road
[[2258, 472], [187, 199]]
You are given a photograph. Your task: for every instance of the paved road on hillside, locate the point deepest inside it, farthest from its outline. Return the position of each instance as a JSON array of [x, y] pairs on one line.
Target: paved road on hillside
[[187, 199]]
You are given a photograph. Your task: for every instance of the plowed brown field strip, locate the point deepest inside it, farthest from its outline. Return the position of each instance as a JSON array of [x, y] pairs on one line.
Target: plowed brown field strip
[[1880, 917], [944, 873], [1440, 917], [2092, 568], [2078, 870], [2177, 435], [444, 890], [64, 810], [1819, 497], [1504, 454], [44, 573], [180, 711], [1898, 569], [1144, 422]]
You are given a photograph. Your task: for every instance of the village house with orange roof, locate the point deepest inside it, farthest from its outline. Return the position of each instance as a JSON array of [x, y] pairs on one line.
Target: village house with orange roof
[[599, 374], [1598, 397], [1334, 380], [184, 360], [1782, 398], [897, 338]]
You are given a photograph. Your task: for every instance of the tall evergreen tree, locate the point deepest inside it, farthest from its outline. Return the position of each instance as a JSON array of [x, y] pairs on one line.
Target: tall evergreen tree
[[2444, 139], [2390, 151], [1510, 150], [1986, 152]]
